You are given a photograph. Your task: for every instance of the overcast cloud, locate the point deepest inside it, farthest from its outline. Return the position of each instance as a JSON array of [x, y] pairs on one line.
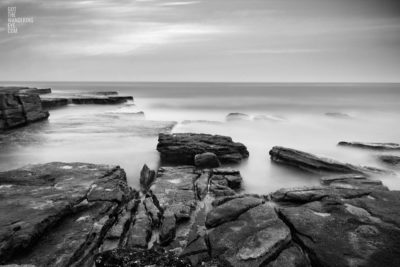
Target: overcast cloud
[[204, 40]]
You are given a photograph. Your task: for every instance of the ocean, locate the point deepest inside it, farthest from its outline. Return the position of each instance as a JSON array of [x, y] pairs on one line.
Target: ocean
[[308, 117]]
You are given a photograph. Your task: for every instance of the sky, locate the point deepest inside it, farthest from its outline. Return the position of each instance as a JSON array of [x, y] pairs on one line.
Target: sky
[[202, 40]]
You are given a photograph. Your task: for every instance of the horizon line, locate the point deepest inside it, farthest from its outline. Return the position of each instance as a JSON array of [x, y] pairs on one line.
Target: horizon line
[[233, 82]]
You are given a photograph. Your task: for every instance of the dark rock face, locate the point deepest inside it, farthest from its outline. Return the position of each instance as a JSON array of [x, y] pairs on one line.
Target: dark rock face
[[376, 146], [312, 163], [18, 109], [348, 231], [57, 214], [147, 177], [181, 148], [206, 160], [235, 116], [390, 159]]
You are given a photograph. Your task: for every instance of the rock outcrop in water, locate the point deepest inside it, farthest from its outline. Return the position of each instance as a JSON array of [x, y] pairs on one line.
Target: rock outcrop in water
[[19, 109], [236, 116], [312, 163], [55, 100], [376, 146], [390, 159], [49, 103], [181, 148]]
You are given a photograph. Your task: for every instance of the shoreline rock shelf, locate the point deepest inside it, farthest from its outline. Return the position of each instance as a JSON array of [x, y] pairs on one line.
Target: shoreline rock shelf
[[181, 148], [78, 214], [315, 164]]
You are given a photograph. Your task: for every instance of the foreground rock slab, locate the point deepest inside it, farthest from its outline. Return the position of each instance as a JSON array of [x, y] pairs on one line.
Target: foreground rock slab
[[312, 163], [181, 148], [376, 146], [57, 214], [338, 232], [252, 239]]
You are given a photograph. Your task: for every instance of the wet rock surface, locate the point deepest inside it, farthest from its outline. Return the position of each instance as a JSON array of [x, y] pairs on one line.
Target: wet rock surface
[[57, 214], [376, 146], [345, 232], [181, 148], [312, 163]]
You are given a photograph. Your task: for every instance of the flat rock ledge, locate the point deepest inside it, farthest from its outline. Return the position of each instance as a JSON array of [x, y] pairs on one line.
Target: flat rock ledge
[[375, 146], [315, 164], [56, 100], [181, 148]]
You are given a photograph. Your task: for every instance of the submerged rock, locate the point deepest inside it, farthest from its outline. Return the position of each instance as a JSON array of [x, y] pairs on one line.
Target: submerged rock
[[376, 146], [390, 159], [100, 100], [181, 148], [104, 93], [206, 160], [338, 115], [312, 163], [57, 214], [236, 116]]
